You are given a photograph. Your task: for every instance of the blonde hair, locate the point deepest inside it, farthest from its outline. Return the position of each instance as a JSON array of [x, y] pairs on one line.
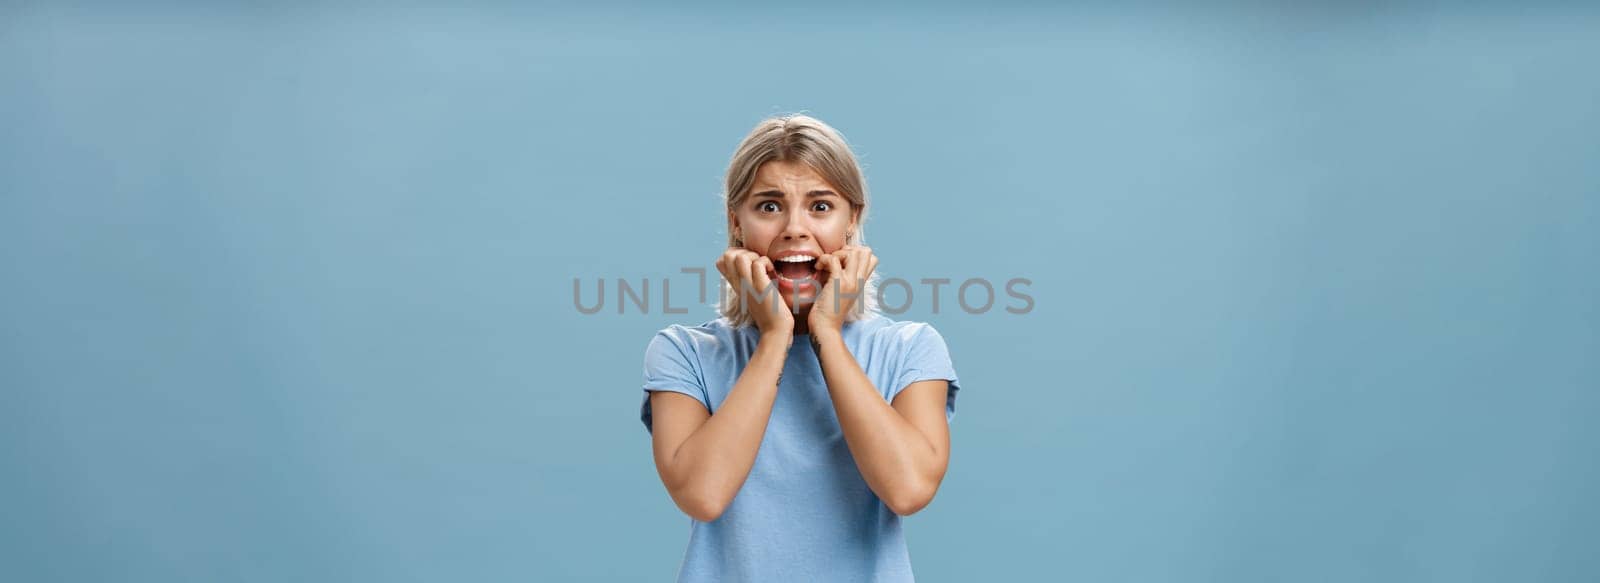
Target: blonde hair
[[804, 139]]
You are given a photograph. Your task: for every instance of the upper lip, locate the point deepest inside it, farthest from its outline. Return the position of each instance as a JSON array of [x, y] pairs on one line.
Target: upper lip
[[792, 253]]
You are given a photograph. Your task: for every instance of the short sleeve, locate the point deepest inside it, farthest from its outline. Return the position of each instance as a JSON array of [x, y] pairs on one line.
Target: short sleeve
[[669, 365], [927, 358]]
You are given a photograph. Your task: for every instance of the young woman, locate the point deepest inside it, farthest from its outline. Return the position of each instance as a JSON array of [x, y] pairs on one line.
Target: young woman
[[800, 426]]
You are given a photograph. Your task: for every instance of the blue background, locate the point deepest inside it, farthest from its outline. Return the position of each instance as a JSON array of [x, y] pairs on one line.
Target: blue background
[[287, 292]]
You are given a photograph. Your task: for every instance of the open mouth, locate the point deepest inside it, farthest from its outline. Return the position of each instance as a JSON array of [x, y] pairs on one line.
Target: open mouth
[[798, 270]]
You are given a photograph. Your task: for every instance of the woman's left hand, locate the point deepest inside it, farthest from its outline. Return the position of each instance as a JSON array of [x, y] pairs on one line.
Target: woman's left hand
[[848, 271]]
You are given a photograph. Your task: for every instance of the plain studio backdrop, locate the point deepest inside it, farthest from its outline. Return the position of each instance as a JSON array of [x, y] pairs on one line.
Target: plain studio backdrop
[[286, 293]]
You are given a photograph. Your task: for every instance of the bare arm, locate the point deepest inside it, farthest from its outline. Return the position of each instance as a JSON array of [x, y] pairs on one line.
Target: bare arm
[[703, 459], [902, 450]]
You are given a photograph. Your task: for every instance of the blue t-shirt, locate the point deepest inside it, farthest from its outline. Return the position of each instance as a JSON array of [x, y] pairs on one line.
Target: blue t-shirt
[[804, 513]]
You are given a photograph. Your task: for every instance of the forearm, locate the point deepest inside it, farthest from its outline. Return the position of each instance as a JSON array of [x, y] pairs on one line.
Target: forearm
[[896, 459], [712, 464]]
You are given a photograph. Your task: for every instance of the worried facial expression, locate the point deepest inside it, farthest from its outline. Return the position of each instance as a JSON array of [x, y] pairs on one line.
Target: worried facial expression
[[793, 217]]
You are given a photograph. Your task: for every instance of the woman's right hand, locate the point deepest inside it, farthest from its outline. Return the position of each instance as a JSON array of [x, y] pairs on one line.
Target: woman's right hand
[[751, 275]]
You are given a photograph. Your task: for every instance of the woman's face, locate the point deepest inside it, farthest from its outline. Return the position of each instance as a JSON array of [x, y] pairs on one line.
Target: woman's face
[[792, 211]]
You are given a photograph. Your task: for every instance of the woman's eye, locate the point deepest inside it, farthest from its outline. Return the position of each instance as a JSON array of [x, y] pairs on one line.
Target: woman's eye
[[768, 206], [822, 206]]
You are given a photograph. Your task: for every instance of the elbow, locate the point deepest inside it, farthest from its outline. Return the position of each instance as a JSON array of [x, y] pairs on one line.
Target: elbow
[[909, 500], [700, 506], [708, 512], [697, 497]]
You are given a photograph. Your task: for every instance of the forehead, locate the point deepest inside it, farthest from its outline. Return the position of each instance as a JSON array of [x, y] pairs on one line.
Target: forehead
[[787, 176]]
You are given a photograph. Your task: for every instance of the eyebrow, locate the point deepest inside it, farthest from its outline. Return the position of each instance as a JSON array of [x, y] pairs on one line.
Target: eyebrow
[[777, 194]]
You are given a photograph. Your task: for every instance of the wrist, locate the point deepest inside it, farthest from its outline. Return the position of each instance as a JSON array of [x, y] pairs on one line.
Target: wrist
[[819, 326], [824, 335], [779, 326], [778, 334]]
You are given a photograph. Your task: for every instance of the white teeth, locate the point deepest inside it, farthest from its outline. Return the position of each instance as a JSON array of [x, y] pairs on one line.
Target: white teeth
[[797, 259]]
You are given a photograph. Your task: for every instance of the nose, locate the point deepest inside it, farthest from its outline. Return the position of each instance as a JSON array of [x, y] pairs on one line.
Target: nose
[[796, 228]]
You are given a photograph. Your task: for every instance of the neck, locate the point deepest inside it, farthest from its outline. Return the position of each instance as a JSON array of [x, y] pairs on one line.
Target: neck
[[801, 326]]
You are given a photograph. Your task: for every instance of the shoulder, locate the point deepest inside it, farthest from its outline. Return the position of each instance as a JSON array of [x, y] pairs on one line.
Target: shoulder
[[901, 332], [707, 336], [885, 335]]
